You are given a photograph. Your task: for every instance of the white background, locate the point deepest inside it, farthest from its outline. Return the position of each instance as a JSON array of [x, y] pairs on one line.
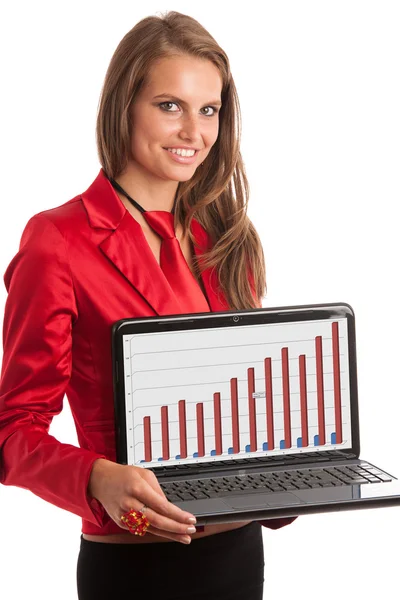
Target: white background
[[318, 83]]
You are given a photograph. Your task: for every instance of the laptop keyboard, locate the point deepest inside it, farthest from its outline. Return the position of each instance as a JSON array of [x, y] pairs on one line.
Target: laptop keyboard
[[277, 481]]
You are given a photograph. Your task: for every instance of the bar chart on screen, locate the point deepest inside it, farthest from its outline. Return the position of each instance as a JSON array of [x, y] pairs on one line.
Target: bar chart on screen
[[226, 393]]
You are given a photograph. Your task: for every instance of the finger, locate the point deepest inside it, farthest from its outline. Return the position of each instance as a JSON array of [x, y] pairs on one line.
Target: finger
[[159, 504], [153, 513], [155, 484], [183, 537], [166, 524], [175, 537]]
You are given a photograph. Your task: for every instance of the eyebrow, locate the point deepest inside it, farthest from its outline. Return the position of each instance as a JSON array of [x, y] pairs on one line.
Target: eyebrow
[[218, 102]]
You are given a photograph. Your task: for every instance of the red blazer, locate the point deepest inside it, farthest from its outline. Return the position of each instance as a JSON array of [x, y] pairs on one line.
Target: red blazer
[[80, 267]]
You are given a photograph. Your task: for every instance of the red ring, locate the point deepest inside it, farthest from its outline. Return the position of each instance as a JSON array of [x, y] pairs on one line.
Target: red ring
[[136, 521]]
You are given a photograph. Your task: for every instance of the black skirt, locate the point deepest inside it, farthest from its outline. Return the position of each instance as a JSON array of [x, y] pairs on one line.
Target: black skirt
[[223, 566]]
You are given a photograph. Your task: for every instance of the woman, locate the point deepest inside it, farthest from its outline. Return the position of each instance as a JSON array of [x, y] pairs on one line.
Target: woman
[[98, 258]]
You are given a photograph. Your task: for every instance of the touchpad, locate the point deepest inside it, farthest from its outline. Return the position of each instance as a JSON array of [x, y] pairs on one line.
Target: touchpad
[[263, 500]]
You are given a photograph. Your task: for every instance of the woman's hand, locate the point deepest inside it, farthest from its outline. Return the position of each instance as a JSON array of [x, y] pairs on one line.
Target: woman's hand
[[122, 487]]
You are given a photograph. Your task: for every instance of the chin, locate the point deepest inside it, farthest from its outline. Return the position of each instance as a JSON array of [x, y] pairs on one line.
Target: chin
[[182, 176]]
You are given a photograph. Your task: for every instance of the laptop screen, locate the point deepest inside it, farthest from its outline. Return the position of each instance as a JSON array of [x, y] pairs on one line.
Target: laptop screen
[[227, 393]]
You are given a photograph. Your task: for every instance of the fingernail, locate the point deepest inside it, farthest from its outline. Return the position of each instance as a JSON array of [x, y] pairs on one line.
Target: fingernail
[[186, 540], [191, 529], [192, 520]]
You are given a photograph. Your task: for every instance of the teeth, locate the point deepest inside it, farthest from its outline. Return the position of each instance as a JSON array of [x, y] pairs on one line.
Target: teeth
[[181, 151]]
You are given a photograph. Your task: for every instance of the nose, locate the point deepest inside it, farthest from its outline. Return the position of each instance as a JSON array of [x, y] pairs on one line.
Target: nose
[[191, 127]]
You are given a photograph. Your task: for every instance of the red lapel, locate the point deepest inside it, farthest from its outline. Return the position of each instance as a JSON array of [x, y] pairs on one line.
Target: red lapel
[[127, 247]]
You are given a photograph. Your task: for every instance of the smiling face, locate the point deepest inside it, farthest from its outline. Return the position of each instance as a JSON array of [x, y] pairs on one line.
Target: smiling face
[[178, 107]]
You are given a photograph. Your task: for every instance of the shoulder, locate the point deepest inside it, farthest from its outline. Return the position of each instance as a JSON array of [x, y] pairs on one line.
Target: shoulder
[[56, 230], [64, 218], [45, 238]]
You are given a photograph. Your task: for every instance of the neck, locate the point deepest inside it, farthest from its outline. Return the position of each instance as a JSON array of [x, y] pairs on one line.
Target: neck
[[152, 193]]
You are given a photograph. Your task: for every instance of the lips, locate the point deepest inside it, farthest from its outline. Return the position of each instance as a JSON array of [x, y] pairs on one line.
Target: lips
[[183, 160]]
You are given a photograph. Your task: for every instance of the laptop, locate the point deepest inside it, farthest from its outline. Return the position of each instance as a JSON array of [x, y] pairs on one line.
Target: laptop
[[246, 414]]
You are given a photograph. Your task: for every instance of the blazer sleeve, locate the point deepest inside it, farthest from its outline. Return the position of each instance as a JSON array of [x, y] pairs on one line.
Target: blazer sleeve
[[40, 312]]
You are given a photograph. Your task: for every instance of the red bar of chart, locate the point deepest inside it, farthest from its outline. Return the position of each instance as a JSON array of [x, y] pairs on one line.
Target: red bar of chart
[[235, 415], [320, 391], [269, 404], [336, 371], [287, 442], [303, 400], [286, 392]]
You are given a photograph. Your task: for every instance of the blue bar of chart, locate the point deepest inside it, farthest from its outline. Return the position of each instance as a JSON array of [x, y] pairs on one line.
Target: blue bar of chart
[[226, 393]]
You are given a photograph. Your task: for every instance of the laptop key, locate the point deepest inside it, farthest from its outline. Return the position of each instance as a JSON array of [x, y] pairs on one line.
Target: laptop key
[[384, 477], [326, 484], [215, 494], [186, 496], [173, 498], [199, 495], [372, 470]]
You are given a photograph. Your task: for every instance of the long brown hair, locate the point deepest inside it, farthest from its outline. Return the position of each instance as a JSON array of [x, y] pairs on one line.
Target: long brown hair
[[218, 192]]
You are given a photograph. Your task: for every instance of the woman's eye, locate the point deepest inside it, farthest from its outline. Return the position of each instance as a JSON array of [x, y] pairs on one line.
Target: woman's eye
[[214, 108], [165, 103]]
